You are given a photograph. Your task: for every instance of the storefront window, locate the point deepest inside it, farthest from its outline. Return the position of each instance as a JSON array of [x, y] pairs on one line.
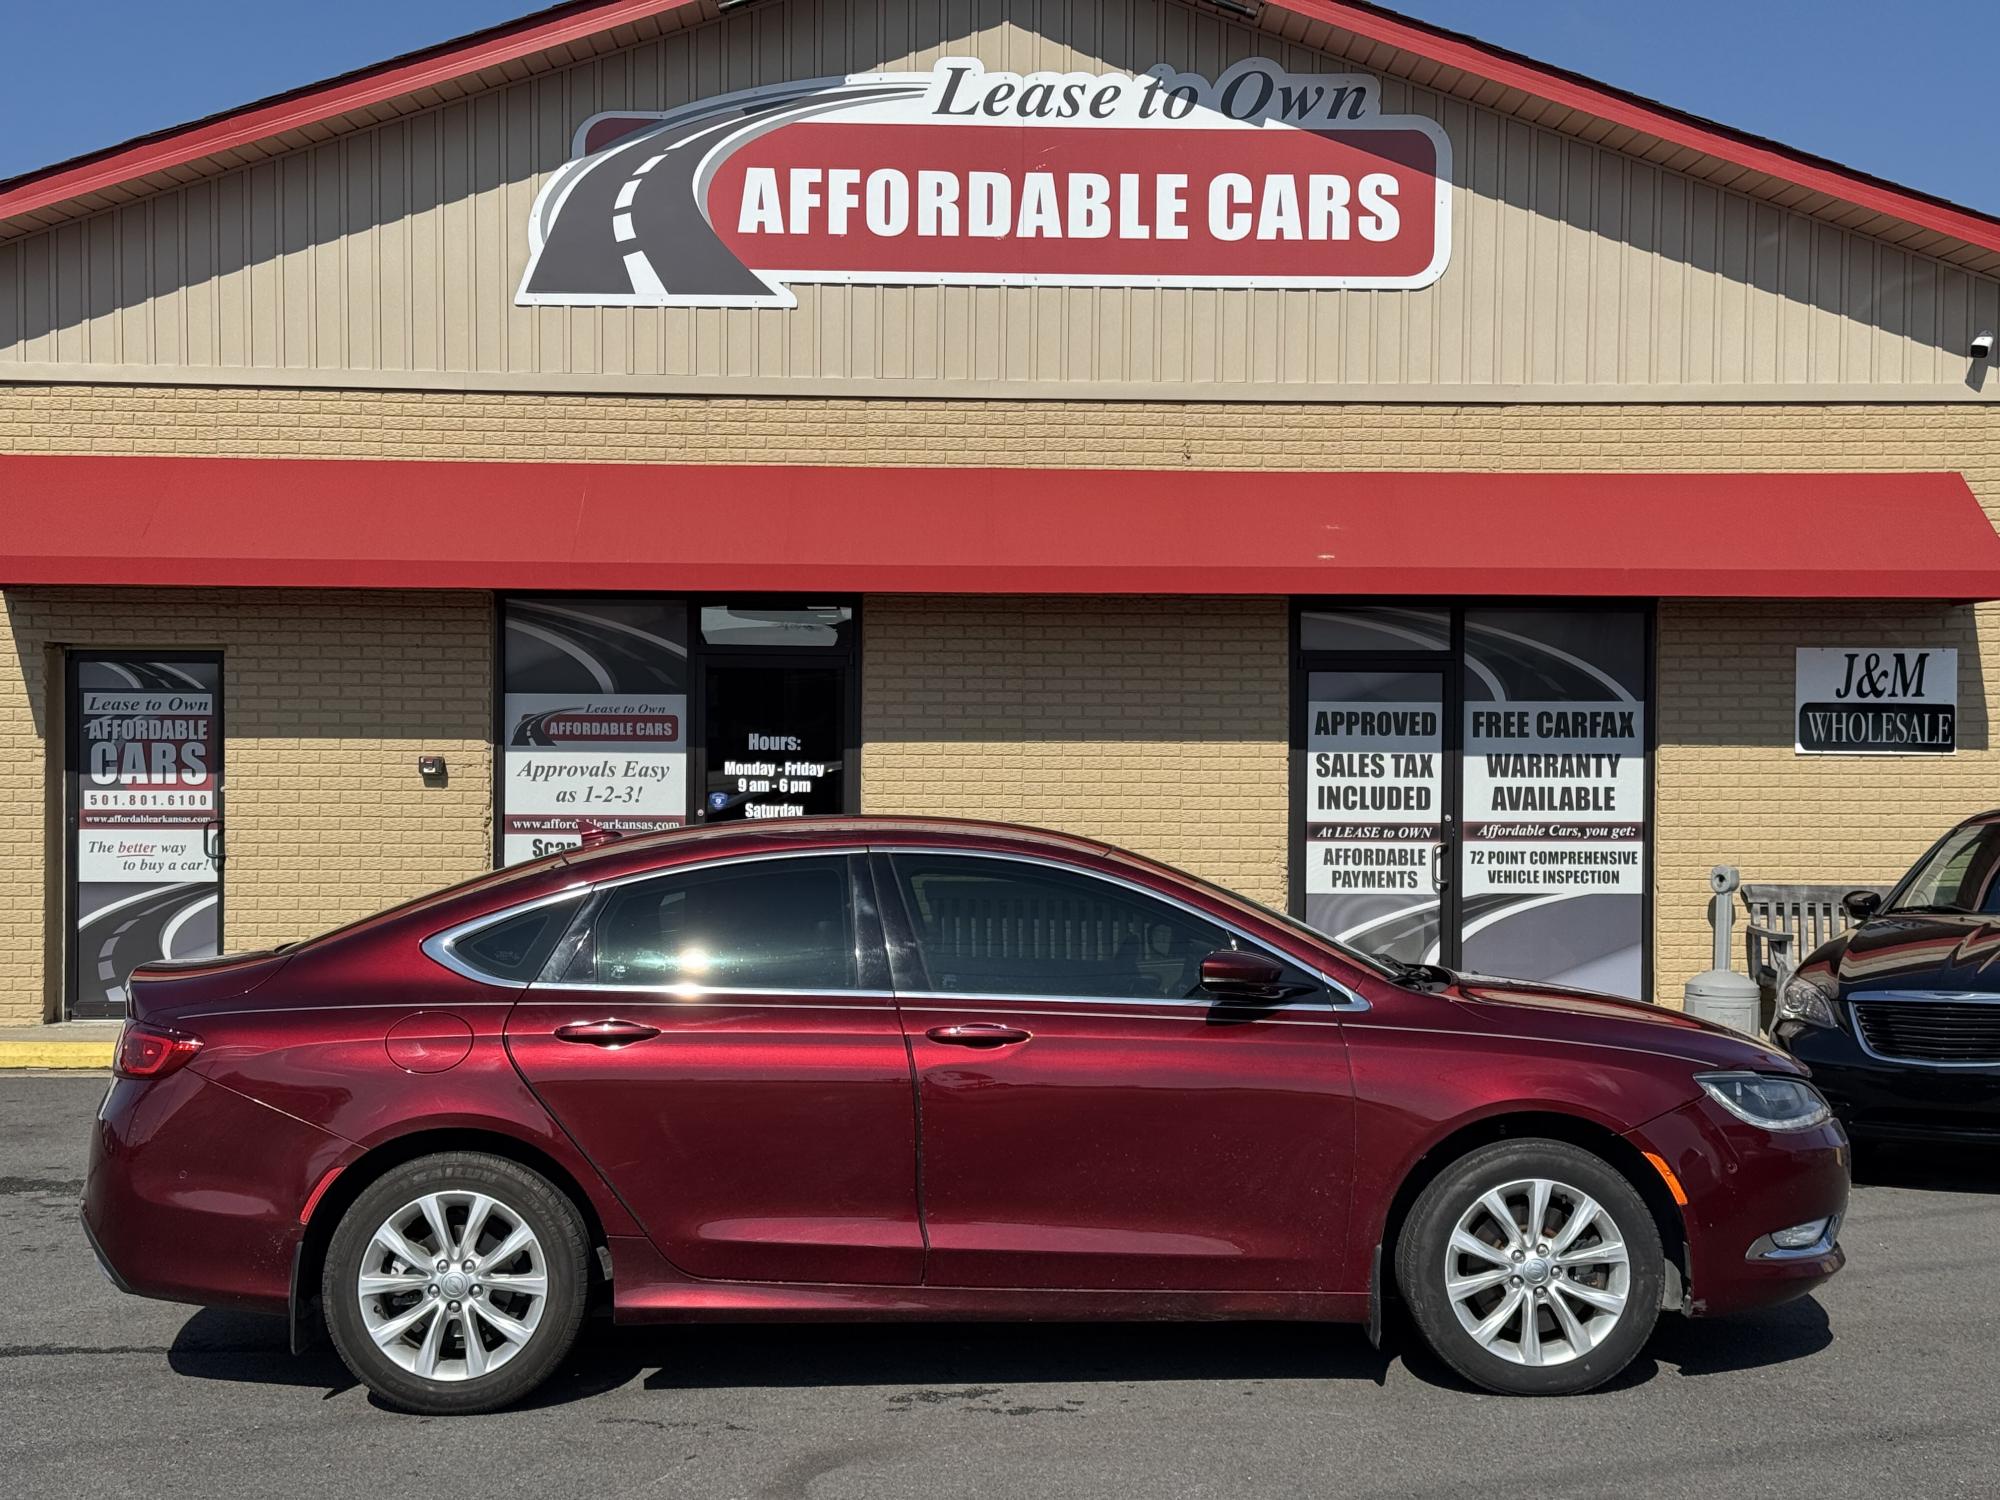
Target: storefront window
[[611, 716], [1472, 788], [1378, 628], [814, 627]]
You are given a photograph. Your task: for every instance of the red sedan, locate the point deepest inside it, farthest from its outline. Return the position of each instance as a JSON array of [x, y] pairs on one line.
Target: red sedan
[[882, 1068]]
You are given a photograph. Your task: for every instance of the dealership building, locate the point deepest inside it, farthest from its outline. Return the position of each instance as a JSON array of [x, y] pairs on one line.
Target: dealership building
[[1429, 491]]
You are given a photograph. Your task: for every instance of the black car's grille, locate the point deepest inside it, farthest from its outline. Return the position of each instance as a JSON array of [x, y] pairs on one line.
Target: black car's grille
[[1933, 1031]]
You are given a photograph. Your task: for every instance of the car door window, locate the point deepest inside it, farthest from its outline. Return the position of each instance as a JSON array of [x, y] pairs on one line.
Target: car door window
[[781, 924], [1018, 928]]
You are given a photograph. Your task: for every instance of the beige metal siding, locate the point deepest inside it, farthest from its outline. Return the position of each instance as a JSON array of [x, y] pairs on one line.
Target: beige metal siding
[[392, 253]]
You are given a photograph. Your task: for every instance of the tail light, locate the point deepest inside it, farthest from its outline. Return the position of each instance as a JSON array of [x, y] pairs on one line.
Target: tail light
[[153, 1051]]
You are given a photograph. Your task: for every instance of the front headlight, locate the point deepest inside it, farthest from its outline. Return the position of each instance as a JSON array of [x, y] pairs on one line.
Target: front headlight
[[1806, 1000], [1770, 1101]]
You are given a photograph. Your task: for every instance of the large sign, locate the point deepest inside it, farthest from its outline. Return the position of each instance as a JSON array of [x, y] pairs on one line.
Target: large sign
[[1876, 700], [960, 176]]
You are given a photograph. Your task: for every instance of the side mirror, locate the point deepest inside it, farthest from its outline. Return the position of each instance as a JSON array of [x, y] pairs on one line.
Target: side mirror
[[1234, 974], [1861, 905]]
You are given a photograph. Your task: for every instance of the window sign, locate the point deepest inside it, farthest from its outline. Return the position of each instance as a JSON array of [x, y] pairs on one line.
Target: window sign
[[1554, 790], [593, 721], [1876, 700], [147, 765], [775, 738], [1374, 787]]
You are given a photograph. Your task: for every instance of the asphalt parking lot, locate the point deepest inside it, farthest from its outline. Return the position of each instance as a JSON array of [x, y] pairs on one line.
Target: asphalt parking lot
[[1887, 1383]]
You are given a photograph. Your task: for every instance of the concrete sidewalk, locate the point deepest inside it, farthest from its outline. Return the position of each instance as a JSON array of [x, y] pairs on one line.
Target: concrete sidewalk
[[68, 1044]]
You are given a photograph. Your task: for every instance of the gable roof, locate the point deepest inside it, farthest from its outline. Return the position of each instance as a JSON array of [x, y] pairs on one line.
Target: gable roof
[[1371, 37]]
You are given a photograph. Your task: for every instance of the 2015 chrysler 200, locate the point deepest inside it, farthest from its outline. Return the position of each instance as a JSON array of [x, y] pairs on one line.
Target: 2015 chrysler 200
[[864, 1068]]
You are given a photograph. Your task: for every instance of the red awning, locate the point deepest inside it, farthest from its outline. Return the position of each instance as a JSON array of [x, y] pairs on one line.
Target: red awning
[[324, 523]]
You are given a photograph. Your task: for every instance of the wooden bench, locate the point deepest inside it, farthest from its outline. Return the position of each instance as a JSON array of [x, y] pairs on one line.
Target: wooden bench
[[1787, 922]]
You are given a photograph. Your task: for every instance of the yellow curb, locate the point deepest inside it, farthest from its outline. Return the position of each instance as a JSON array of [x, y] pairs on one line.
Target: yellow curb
[[14, 1055]]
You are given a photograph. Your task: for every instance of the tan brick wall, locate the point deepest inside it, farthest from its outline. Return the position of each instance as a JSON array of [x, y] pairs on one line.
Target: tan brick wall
[[1730, 790], [1158, 724], [328, 699], [1730, 787]]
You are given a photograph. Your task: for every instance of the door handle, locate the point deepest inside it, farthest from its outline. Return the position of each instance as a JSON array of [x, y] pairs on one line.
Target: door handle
[[1440, 878], [978, 1034], [609, 1033]]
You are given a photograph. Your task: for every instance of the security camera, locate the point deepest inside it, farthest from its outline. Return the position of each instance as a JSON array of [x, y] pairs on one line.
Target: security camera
[[1982, 347]]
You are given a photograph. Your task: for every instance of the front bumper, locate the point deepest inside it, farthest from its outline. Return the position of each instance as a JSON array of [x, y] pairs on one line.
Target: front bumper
[[1743, 1183], [1877, 1099], [194, 1192]]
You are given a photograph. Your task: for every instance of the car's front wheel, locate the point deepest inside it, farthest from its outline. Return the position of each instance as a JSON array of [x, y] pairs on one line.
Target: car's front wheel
[[1532, 1267], [456, 1283]]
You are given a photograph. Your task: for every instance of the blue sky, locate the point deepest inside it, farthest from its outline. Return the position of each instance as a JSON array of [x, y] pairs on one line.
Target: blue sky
[[1907, 92]]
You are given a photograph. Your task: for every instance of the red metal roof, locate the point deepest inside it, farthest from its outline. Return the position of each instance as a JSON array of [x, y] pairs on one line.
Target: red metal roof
[[330, 523], [543, 30]]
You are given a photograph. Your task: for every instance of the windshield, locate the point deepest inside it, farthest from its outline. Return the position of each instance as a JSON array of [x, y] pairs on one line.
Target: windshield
[[1961, 873]]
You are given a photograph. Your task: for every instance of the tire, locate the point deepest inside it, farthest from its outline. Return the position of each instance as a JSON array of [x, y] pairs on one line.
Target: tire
[[1568, 1291], [522, 1301]]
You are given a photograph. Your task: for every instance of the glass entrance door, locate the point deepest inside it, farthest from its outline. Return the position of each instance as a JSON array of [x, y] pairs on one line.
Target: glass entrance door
[[144, 793], [1379, 836]]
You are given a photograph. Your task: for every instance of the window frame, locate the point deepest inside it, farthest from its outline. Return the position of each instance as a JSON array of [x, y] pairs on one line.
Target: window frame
[[442, 947], [885, 939], [906, 955]]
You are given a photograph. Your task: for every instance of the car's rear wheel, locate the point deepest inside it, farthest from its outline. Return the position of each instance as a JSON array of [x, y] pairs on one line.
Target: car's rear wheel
[[456, 1283], [1532, 1267]]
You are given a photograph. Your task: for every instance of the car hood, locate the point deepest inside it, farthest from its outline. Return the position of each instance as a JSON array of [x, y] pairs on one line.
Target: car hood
[[1917, 951], [1558, 1012]]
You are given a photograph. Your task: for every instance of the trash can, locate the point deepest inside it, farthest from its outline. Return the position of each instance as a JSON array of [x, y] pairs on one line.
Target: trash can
[[1721, 994], [1731, 998]]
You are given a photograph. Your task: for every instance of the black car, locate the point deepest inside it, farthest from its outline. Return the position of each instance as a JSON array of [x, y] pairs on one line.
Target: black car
[[1899, 1017]]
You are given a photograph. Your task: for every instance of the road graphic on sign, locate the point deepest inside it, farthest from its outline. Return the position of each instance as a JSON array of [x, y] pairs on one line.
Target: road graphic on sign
[[585, 236]]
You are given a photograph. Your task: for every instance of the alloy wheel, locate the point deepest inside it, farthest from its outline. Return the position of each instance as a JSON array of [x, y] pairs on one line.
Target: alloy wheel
[[1537, 1272], [452, 1285]]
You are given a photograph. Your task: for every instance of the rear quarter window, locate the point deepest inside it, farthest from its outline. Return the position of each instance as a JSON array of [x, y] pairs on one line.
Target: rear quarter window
[[515, 948]]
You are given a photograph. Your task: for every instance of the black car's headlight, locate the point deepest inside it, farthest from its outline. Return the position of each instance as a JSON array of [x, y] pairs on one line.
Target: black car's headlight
[[1806, 1000], [1770, 1101]]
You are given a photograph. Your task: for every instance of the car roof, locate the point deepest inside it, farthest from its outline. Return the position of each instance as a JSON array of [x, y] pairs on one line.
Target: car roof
[[495, 890], [598, 860]]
